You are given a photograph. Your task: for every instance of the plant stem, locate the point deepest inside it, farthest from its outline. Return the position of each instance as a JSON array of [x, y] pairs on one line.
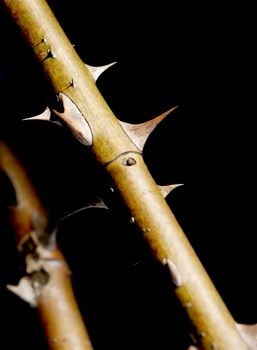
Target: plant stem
[[122, 159], [47, 284]]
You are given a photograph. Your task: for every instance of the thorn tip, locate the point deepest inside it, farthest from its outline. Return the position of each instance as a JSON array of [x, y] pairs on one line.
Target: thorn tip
[[46, 115], [165, 190], [97, 71], [139, 133]]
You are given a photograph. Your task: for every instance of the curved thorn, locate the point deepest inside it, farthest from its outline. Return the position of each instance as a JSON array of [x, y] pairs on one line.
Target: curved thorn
[[97, 71], [75, 120], [99, 203], [249, 334], [139, 133], [46, 115], [165, 190]]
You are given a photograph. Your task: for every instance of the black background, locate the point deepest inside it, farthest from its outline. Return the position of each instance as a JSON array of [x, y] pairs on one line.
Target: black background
[[194, 56]]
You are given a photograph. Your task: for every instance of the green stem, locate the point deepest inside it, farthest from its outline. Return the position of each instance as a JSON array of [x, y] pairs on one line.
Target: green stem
[[122, 159]]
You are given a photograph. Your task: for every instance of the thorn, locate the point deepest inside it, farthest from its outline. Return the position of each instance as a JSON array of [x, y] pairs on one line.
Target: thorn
[[52, 240], [132, 220], [97, 71], [24, 290], [97, 204], [138, 133], [45, 116], [249, 334], [165, 190], [49, 54], [75, 120], [174, 272]]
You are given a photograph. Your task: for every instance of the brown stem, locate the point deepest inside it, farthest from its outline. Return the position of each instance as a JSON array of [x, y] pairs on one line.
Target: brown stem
[[29, 212], [47, 284], [113, 149], [56, 304]]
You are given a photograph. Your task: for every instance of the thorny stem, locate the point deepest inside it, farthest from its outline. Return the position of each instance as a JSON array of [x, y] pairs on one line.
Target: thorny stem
[[113, 149], [47, 284]]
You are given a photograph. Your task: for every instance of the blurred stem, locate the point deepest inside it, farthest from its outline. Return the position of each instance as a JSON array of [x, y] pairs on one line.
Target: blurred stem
[[47, 283]]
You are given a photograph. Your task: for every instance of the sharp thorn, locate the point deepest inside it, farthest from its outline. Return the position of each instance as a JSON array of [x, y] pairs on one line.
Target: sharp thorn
[[139, 133], [80, 210], [165, 190], [97, 71], [75, 120], [46, 115], [97, 204], [52, 240]]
